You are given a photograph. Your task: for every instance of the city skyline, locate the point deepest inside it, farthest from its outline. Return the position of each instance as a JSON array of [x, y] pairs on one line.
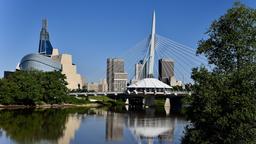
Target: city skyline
[[84, 28]]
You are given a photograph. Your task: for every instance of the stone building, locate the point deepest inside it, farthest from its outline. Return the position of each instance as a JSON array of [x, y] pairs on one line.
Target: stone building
[[116, 76]]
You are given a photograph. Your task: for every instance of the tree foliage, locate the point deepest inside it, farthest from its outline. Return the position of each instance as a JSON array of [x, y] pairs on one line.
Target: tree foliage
[[223, 106], [231, 43], [31, 87]]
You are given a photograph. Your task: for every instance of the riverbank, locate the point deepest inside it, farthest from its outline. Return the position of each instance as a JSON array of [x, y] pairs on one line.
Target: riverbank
[[92, 102], [88, 105]]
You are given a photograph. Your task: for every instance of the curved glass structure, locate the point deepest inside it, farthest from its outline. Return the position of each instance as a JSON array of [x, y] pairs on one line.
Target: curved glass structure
[[39, 62]]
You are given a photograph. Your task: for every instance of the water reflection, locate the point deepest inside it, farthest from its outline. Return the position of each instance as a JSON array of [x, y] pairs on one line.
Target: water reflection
[[71, 126], [39, 126], [64, 126], [145, 127], [152, 129], [114, 126], [1, 133]]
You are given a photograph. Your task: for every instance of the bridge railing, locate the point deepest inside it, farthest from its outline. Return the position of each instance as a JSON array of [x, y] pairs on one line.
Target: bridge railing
[[176, 93]]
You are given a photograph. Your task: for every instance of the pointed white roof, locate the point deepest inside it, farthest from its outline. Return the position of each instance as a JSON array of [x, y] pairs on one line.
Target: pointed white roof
[[149, 83]]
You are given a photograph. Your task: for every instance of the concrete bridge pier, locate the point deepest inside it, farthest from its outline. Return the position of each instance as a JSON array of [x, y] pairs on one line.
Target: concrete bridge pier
[[127, 101], [167, 102]]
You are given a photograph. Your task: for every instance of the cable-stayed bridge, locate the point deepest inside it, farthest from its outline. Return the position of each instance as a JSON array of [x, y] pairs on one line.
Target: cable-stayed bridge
[[148, 52], [150, 49]]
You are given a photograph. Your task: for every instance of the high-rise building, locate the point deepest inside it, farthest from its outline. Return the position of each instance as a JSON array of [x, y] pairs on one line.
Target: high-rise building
[[109, 74], [138, 70], [45, 46], [116, 76], [93, 87], [103, 86], [166, 70]]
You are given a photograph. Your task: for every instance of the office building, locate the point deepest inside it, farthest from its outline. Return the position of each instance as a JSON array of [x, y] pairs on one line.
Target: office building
[[166, 70], [93, 87], [116, 76], [103, 86], [7, 73], [138, 70], [175, 82]]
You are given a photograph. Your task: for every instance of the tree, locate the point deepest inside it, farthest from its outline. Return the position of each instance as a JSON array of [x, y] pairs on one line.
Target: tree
[[27, 85], [31, 87], [223, 105], [54, 86]]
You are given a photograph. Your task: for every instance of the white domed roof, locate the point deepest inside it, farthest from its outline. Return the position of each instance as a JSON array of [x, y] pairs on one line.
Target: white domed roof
[[149, 83]]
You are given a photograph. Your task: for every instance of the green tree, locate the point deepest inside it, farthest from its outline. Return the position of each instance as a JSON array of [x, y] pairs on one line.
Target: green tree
[[7, 91], [223, 106], [28, 86], [54, 86], [31, 87]]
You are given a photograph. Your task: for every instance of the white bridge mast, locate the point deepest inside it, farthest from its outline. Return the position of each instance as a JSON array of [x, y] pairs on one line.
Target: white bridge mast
[[150, 72]]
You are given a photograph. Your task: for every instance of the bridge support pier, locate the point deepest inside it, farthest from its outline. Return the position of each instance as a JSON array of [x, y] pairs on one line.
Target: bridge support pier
[[167, 102], [127, 102]]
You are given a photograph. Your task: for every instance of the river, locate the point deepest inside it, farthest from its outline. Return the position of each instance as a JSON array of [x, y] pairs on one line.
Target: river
[[91, 126]]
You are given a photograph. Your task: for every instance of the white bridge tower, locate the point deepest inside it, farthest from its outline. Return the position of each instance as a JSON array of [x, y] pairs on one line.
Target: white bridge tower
[[150, 63]]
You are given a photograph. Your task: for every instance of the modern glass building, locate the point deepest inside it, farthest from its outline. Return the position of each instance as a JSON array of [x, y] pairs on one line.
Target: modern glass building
[[39, 62], [48, 59], [45, 46]]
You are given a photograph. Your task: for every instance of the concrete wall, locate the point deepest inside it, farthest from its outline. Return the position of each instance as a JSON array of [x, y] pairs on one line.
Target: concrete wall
[[69, 69]]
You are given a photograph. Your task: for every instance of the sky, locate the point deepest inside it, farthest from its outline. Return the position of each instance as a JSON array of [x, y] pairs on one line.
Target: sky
[[93, 30]]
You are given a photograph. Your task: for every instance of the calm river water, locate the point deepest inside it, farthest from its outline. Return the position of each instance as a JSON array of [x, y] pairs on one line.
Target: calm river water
[[90, 126]]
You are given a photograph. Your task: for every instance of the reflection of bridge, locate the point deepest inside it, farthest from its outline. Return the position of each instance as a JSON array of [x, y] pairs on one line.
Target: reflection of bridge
[[145, 125], [144, 128], [150, 128]]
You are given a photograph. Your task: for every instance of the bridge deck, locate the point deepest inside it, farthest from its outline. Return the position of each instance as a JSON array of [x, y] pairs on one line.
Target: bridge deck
[[176, 93]]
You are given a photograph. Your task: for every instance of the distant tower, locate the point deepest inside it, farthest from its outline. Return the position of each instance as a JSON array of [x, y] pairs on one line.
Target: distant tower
[[139, 70], [45, 46], [166, 70]]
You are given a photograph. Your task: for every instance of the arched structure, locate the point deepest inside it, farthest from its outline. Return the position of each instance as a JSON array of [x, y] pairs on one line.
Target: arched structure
[[39, 62]]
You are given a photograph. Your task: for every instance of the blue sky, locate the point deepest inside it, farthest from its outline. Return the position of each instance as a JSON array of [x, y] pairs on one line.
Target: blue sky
[[92, 30]]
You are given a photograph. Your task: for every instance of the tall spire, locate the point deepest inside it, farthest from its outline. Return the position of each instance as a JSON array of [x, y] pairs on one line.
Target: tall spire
[[45, 46], [152, 48], [45, 24]]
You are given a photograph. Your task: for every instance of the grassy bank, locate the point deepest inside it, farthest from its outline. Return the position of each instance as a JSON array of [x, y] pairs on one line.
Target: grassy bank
[[69, 102], [106, 101]]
